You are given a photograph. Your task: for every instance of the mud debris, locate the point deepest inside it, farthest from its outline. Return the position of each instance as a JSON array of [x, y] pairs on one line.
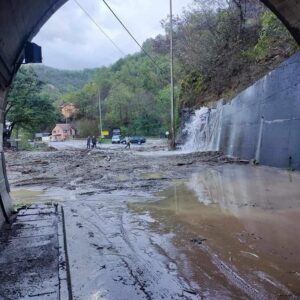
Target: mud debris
[[153, 225]]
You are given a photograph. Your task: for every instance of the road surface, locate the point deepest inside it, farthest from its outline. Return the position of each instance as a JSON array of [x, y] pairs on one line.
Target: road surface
[[143, 224]]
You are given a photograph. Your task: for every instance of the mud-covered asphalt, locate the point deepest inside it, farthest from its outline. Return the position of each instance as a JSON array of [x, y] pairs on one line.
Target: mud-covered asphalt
[[106, 169], [148, 224]]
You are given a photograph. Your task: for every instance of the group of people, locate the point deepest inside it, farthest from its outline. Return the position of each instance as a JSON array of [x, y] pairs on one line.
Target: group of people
[[91, 142]]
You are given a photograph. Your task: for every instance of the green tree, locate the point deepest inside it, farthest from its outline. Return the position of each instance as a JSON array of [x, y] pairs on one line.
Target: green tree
[[274, 39], [219, 46], [26, 107]]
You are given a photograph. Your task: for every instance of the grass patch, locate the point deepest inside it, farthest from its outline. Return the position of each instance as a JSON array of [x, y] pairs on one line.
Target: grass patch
[[105, 141]]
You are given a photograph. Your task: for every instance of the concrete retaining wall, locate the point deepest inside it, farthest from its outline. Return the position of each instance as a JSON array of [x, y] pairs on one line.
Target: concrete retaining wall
[[263, 121]]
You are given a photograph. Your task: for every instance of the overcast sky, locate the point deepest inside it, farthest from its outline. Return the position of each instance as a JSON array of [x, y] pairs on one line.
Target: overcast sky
[[70, 40]]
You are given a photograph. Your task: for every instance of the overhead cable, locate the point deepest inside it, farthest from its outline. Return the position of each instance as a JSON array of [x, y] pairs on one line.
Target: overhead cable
[[135, 40], [99, 27]]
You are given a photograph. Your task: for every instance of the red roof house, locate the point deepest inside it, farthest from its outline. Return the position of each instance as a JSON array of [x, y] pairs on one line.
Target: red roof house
[[62, 132]]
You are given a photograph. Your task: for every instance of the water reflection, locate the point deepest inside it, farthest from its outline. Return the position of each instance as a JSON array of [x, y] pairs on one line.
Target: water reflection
[[250, 219], [236, 186]]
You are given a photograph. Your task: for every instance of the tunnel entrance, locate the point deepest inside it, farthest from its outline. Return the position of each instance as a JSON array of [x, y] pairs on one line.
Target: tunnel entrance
[[20, 21], [149, 224]]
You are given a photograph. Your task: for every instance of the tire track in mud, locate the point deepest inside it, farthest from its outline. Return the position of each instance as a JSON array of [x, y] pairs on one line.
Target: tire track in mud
[[93, 224], [147, 278], [144, 271], [124, 234], [138, 281], [233, 277]]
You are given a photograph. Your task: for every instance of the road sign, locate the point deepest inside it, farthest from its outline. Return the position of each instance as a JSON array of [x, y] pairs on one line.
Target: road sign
[[104, 133]]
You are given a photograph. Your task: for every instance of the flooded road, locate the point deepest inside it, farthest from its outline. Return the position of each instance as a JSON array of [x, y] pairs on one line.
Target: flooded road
[[173, 228], [239, 230]]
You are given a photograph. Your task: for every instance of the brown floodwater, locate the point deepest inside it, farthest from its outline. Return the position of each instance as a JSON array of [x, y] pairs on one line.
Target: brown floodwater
[[228, 232], [35, 194], [21, 196], [236, 229]]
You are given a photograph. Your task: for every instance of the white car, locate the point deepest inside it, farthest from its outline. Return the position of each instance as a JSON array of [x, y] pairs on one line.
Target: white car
[[116, 139]]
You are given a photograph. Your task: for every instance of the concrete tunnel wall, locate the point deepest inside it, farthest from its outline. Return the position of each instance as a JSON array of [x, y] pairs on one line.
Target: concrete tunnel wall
[[263, 121], [5, 201], [21, 20]]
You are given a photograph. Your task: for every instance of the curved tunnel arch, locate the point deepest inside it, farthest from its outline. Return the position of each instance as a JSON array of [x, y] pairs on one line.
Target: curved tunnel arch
[[288, 11], [21, 20]]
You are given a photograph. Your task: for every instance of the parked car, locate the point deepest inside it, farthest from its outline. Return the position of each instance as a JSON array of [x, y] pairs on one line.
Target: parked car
[[116, 139], [137, 140], [134, 140]]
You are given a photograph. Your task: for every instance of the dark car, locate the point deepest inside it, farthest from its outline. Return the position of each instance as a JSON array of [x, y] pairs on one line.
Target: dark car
[[134, 140], [137, 140]]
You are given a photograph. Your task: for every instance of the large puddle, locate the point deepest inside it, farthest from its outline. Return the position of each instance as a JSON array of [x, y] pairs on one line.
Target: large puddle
[[236, 228], [230, 232], [35, 194]]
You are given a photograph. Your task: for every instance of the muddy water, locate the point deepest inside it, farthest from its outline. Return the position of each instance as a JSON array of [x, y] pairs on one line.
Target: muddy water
[[26, 196], [228, 232], [236, 230], [34, 194]]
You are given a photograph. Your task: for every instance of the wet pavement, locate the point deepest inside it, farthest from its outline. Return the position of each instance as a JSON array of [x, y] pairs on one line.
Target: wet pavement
[[238, 229], [175, 227], [32, 261]]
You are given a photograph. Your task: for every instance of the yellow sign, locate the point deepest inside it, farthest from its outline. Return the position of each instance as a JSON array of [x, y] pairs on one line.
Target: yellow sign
[[104, 133]]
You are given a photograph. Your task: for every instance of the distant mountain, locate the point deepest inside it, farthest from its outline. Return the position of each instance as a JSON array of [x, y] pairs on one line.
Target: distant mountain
[[63, 81]]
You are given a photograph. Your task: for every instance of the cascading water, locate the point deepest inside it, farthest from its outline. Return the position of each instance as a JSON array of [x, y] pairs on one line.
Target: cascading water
[[203, 131]]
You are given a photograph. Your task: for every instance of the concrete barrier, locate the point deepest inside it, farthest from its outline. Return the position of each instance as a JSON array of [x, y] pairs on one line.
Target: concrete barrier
[[263, 121]]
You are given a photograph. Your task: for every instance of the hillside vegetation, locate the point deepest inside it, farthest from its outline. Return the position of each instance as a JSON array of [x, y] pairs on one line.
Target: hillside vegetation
[[218, 53], [221, 47], [63, 80]]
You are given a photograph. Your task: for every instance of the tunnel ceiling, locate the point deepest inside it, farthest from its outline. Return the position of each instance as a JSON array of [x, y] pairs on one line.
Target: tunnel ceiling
[[288, 11], [20, 20]]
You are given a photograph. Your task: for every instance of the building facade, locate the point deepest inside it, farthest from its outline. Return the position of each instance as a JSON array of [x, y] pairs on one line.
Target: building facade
[[62, 132]]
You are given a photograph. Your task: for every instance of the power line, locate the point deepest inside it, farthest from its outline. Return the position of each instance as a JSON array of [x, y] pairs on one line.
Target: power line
[[99, 27], [124, 26]]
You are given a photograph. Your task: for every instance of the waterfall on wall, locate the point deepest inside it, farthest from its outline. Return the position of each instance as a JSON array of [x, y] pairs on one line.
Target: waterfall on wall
[[203, 131]]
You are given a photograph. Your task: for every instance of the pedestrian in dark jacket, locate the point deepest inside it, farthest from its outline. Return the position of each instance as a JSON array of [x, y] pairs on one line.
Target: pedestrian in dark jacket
[[94, 142], [88, 143]]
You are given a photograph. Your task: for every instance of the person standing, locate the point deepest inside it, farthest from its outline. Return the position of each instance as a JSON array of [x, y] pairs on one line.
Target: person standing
[[127, 142], [94, 141], [88, 143]]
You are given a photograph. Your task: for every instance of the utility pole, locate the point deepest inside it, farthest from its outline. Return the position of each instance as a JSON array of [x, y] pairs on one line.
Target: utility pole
[[173, 133], [100, 115]]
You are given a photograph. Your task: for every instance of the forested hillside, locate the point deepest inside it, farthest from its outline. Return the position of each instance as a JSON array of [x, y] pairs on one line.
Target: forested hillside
[[221, 47], [223, 51], [63, 80]]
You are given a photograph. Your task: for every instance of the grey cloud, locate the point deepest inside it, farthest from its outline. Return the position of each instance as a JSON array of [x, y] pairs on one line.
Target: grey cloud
[[71, 41]]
